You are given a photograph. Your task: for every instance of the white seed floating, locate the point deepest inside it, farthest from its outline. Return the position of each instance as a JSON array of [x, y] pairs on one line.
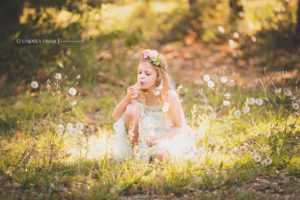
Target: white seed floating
[[166, 107], [221, 29], [156, 92]]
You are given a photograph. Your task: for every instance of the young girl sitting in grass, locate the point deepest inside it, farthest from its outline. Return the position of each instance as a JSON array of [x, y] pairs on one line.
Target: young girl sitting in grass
[[150, 118]]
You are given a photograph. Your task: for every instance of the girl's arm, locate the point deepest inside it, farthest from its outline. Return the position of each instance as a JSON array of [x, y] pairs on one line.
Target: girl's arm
[[120, 108], [132, 93]]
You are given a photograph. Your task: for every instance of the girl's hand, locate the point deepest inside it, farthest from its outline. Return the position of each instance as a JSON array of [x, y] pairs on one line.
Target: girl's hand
[[133, 92], [153, 141]]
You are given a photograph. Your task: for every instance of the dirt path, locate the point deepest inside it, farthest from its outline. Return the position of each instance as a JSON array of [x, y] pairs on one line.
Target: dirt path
[[191, 62]]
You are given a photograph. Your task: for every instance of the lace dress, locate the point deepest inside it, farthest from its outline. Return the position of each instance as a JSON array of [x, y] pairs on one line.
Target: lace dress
[[152, 123]]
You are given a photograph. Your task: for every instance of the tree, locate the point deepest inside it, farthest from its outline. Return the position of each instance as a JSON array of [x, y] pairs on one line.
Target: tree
[[236, 7], [298, 25], [15, 60]]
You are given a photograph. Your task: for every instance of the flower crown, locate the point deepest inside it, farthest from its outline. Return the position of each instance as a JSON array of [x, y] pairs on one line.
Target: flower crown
[[152, 56]]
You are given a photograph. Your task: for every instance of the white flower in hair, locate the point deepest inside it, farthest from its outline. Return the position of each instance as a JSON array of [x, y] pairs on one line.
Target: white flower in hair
[[153, 54]]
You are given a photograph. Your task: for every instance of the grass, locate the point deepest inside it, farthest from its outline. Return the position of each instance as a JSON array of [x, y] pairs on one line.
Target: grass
[[38, 161]]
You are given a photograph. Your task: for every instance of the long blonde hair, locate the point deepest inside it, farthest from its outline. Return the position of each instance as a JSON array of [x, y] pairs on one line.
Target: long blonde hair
[[163, 81]]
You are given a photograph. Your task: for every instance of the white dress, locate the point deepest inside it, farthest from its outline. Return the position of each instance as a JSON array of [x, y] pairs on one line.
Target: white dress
[[152, 123]]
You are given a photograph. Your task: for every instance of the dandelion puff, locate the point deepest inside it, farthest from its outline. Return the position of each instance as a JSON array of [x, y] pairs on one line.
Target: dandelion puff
[[69, 126], [224, 79], [58, 76], [206, 77], [288, 93], [257, 158], [72, 91], [60, 128], [236, 35], [227, 95], [267, 162], [78, 76], [267, 134], [211, 141], [295, 106], [34, 84], [166, 107], [246, 109], [213, 116], [259, 101], [235, 149], [72, 131], [210, 84], [73, 103], [277, 91], [226, 103], [251, 101], [79, 126], [237, 113]]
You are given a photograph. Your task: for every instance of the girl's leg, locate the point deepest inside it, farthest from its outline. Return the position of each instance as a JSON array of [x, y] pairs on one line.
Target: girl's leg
[[131, 118]]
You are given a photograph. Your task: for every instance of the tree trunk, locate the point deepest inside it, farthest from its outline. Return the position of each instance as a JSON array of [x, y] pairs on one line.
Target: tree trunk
[[297, 38], [192, 2], [236, 7]]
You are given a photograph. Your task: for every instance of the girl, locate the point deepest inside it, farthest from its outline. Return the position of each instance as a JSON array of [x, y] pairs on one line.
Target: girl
[[150, 118]]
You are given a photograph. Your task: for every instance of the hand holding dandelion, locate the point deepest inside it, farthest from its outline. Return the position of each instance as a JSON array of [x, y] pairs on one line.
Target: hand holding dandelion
[[133, 92]]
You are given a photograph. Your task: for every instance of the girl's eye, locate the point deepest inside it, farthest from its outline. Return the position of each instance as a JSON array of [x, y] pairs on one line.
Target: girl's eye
[[148, 74]]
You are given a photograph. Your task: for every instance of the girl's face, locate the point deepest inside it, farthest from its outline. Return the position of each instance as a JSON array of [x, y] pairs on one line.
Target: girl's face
[[147, 76]]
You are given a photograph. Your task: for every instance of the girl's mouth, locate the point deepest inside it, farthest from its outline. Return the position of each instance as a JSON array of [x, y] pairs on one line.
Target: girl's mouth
[[141, 82]]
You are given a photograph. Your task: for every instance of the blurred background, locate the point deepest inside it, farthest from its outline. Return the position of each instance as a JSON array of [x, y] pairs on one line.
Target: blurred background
[[102, 39]]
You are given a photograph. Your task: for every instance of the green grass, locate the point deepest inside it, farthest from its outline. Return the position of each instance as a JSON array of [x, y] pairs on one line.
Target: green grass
[[36, 162]]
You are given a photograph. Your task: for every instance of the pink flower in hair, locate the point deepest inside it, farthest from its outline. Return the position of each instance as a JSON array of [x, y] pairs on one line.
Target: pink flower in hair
[[153, 54], [146, 53]]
